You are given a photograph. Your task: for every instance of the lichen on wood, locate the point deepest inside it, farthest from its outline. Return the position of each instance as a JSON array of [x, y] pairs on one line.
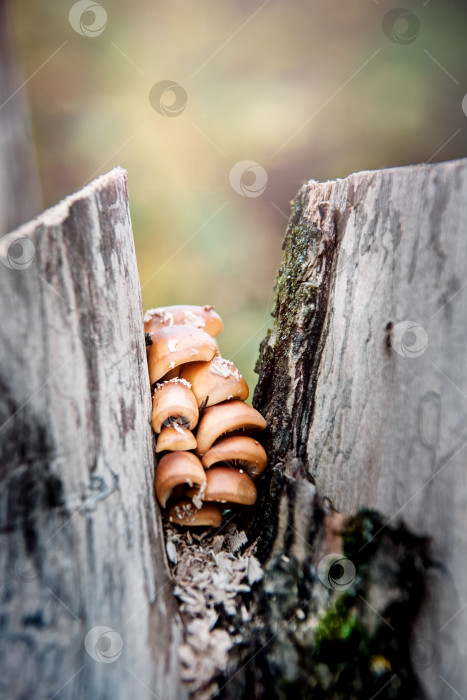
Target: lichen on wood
[[299, 311]]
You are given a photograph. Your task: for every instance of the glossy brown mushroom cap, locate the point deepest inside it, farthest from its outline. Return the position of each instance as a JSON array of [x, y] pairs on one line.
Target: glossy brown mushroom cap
[[174, 438], [228, 485], [185, 513], [223, 418], [175, 345], [241, 452], [214, 381], [174, 403], [171, 374], [202, 317], [177, 468]]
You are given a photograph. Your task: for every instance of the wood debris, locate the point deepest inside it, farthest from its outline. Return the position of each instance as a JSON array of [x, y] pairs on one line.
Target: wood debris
[[213, 580]]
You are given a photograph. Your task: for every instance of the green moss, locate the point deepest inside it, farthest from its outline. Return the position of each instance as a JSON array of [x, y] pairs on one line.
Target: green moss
[[289, 281], [290, 284], [340, 623]]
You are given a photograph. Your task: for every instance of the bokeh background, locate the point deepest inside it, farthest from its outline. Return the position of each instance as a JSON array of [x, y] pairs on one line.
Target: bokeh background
[[301, 89]]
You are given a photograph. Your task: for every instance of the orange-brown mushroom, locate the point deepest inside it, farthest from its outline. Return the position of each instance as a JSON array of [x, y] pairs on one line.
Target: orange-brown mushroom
[[227, 485], [177, 468], [171, 374], [202, 317], [186, 513], [241, 452], [226, 417], [174, 404], [214, 381], [175, 437], [174, 345]]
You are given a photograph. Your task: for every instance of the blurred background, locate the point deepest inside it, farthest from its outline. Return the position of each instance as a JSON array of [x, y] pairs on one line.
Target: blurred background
[[220, 111]]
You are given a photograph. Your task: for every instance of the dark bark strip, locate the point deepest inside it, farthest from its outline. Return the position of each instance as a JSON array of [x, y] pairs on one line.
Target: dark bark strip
[[284, 395]]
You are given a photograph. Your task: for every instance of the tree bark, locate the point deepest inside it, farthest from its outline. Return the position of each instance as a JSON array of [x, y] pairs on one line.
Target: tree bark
[[87, 608], [363, 375]]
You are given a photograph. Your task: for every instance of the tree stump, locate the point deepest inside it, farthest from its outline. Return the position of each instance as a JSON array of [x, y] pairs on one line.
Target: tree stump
[[363, 375], [315, 592], [84, 576]]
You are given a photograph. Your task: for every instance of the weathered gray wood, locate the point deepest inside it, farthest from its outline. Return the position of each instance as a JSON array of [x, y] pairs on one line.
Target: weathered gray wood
[[81, 542], [363, 376], [19, 181]]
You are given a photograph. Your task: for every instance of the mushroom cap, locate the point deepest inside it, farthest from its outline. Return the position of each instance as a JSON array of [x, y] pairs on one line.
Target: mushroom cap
[[241, 451], [175, 438], [225, 418], [216, 381], [176, 468], [174, 400], [228, 485], [174, 345], [185, 513], [202, 317], [171, 374]]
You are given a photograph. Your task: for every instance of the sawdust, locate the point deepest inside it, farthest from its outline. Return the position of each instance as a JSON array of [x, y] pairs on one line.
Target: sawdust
[[213, 580]]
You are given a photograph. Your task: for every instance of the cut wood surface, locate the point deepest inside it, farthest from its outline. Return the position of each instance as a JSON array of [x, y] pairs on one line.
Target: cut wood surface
[[363, 376], [85, 597]]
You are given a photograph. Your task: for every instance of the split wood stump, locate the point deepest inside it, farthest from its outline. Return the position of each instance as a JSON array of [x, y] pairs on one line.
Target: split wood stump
[[362, 379]]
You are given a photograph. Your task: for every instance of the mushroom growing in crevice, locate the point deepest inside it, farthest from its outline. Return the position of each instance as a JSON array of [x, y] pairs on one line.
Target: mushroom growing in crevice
[[227, 485], [186, 513], [226, 417], [174, 469], [239, 451], [206, 455], [174, 438], [202, 317], [174, 345], [174, 405], [215, 381]]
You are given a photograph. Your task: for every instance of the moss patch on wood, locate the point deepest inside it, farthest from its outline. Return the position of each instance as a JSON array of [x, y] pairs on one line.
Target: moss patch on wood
[[299, 311], [319, 642]]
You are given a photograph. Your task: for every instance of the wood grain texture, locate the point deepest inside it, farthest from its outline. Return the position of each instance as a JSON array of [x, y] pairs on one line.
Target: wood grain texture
[[363, 375], [81, 540]]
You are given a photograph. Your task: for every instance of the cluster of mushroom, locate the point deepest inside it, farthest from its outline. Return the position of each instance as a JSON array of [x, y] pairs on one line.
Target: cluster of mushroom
[[207, 459]]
